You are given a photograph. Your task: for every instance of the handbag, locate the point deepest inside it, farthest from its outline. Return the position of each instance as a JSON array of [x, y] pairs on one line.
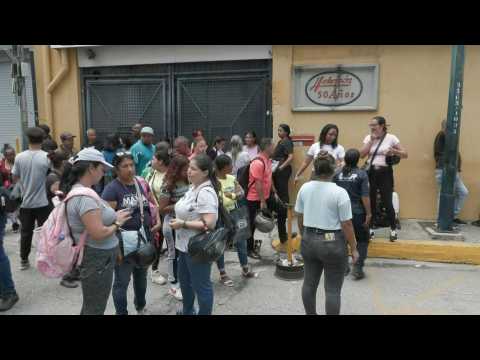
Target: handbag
[[241, 223], [208, 246], [392, 160], [368, 164], [136, 245]]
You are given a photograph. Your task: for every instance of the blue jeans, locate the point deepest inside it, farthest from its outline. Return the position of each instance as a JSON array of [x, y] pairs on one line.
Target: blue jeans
[[242, 255], [123, 273], [7, 287], [460, 190], [195, 280]]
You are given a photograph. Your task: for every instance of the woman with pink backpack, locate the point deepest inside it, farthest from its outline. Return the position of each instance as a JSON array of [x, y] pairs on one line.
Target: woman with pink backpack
[[90, 214]]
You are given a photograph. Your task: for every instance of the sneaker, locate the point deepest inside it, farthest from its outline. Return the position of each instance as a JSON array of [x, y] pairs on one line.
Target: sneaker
[[357, 273], [476, 223], [157, 278], [249, 273], [8, 301], [459, 222], [15, 228], [142, 312], [372, 234], [254, 254], [69, 284], [393, 235], [176, 293], [24, 265], [226, 280]]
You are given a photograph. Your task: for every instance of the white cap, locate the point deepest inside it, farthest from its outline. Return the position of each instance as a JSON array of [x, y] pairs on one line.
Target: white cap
[[147, 130], [91, 154]]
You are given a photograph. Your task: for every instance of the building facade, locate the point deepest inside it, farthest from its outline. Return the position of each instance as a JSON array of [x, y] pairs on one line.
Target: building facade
[[231, 89]]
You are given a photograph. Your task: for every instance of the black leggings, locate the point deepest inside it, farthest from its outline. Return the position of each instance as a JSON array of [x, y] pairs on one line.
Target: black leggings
[[280, 180], [382, 179]]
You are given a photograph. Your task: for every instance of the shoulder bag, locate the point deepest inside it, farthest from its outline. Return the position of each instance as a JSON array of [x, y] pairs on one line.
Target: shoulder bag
[[368, 164], [208, 246], [136, 245]]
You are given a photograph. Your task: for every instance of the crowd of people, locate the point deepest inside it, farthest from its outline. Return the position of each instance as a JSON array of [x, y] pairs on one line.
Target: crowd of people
[[166, 193]]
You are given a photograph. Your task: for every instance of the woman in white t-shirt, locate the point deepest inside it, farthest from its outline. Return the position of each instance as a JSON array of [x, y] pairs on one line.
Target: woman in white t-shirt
[[380, 174], [328, 141]]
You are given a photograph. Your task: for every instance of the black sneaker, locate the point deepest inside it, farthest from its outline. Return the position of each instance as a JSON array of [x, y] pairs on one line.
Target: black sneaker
[[254, 254], [8, 301], [459, 222], [69, 284], [24, 265], [15, 228], [476, 223], [393, 235], [357, 273]]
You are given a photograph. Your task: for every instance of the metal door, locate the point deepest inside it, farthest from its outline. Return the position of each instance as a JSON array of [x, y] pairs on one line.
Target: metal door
[[114, 105]]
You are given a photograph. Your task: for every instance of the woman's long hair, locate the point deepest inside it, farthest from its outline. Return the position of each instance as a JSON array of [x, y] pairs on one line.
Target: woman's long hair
[[236, 145], [72, 173], [324, 132], [351, 161], [177, 164], [205, 163]]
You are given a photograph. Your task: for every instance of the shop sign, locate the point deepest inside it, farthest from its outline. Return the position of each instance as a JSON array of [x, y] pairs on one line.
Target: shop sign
[[335, 88]]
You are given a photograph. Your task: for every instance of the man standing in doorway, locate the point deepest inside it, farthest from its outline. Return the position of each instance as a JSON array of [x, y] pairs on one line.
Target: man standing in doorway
[[30, 170], [143, 150], [92, 140], [461, 191], [67, 144], [136, 132]]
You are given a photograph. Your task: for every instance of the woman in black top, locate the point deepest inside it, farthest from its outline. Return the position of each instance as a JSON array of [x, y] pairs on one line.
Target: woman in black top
[[355, 181], [284, 155]]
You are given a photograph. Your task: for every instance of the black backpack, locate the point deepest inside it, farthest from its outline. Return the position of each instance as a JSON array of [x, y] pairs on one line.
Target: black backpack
[[243, 176]]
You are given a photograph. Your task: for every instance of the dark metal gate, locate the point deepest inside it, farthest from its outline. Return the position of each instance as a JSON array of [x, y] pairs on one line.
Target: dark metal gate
[[223, 98]]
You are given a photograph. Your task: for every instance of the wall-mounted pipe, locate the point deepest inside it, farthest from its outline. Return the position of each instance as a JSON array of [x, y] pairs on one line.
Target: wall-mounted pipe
[[62, 73]]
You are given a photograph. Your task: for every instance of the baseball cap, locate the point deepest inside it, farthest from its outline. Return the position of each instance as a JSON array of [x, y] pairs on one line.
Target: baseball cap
[[147, 130], [91, 154], [66, 135]]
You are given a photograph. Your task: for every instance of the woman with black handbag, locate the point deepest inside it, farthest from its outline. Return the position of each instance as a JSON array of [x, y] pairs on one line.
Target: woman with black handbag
[[126, 192], [232, 196], [383, 151], [196, 213]]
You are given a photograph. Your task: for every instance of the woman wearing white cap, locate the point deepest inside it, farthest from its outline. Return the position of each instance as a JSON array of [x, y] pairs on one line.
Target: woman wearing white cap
[[91, 214]]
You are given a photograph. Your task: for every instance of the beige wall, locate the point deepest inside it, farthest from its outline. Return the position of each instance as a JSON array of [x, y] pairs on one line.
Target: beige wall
[[66, 97], [413, 84]]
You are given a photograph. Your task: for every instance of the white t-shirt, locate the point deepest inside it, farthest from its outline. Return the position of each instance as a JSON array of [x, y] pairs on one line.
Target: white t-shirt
[[338, 153], [390, 140], [324, 205]]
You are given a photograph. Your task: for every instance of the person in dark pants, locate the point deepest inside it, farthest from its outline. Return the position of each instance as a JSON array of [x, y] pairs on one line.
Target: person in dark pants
[[355, 181], [125, 192], [8, 294], [260, 188], [377, 146], [283, 153], [324, 218], [30, 171]]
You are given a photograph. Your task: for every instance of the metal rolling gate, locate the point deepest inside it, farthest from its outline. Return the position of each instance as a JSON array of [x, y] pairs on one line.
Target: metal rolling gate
[[223, 98]]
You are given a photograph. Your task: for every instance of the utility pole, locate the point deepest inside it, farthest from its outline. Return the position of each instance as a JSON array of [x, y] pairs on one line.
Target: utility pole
[[19, 89], [452, 135]]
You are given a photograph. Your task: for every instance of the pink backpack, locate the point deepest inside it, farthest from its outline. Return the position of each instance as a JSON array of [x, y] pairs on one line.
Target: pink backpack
[[57, 253]]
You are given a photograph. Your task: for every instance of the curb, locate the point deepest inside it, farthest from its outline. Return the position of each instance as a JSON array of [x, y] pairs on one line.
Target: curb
[[455, 252]]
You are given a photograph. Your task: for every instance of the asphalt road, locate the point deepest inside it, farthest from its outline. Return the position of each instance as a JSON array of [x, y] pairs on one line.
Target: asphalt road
[[391, 287]]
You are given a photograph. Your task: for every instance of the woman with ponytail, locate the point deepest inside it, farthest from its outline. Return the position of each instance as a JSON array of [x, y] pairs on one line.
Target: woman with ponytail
[[196, 212], [283, 154], [355, 181], [325, 220], [100, 221]]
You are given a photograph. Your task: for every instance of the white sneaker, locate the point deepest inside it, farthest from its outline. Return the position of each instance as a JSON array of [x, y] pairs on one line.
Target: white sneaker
[[176, 293], [393, 235], [157, 278]]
